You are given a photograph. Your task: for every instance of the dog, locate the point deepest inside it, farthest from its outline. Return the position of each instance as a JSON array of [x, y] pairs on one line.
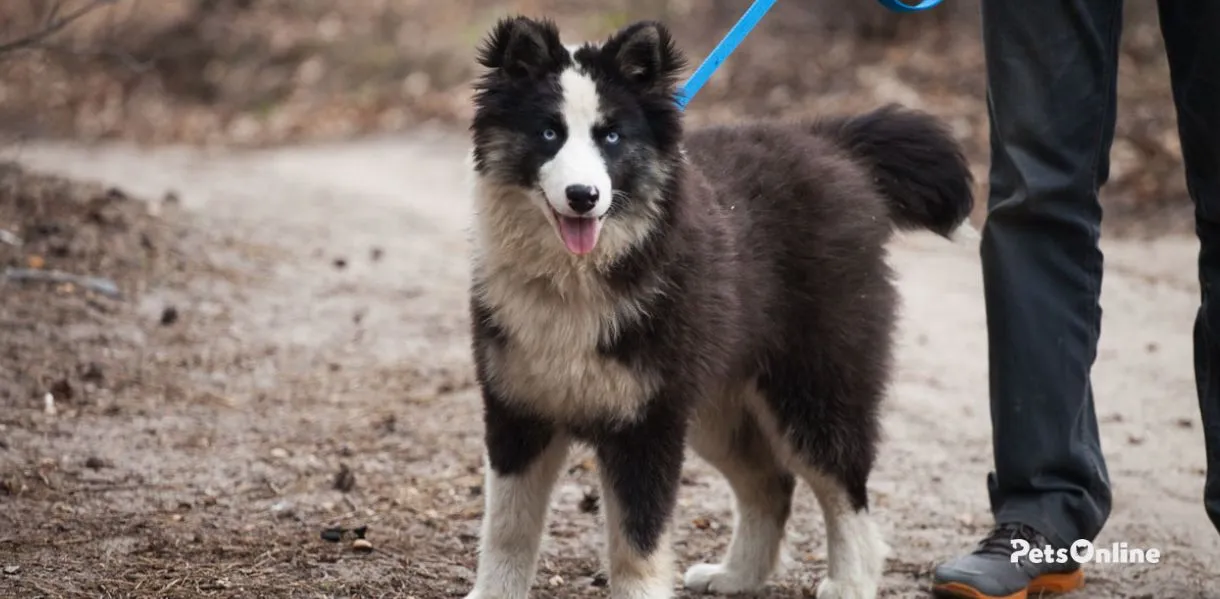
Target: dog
[[639, 289]]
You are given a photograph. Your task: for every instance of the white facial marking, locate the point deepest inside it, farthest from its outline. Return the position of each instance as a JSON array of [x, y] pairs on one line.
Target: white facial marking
[[579, 161]]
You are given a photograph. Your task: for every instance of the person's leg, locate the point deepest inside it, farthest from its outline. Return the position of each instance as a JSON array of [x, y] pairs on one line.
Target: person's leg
[[1051, 69], [1190, 30]]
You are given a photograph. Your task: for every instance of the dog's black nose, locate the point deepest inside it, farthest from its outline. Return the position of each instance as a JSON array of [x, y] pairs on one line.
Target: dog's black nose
[[582, 198]]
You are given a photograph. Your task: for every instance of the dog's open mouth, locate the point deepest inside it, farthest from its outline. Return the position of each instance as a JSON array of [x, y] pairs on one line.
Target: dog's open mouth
[[579, 234]]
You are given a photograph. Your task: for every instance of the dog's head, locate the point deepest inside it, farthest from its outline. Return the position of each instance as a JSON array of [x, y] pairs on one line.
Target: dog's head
[[587, 133]]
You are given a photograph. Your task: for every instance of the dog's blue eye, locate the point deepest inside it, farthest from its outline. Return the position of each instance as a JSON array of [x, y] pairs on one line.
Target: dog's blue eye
[[612, 138], [550, 135]]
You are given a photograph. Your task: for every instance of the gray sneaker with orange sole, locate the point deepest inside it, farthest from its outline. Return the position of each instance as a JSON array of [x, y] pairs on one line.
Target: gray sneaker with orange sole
[[990, 572]]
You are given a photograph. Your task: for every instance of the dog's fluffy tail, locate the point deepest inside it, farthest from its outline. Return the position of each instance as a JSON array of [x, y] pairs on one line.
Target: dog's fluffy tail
[[916, 163]]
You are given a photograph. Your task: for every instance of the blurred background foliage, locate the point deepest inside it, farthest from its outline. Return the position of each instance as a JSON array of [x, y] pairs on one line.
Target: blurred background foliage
[[256, 72]]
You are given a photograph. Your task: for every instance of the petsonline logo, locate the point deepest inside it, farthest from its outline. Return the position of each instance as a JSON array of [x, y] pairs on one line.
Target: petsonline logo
[[1082, 552]]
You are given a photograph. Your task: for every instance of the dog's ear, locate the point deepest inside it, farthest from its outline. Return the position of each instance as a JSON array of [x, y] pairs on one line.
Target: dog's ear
[[646, 56], [523, 47]]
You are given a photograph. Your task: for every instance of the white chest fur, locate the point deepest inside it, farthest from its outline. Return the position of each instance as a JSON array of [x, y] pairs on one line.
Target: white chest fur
[[551, 362]]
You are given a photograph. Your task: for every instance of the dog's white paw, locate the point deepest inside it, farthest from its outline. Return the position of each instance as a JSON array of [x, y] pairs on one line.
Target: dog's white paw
[[715, 578], [846, 589]]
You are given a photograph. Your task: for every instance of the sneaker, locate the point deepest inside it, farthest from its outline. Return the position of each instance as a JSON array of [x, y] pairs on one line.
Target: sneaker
[[989, 572]]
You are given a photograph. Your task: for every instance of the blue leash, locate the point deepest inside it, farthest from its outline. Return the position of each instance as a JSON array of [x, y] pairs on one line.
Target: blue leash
[[744, 25]]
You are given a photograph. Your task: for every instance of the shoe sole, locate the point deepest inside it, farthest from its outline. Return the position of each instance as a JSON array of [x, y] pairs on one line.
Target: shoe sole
[[1047, 583]]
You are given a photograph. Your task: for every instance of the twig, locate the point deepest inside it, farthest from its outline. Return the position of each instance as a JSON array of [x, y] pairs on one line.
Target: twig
[[105, 287], [53, 27], [51, 14]]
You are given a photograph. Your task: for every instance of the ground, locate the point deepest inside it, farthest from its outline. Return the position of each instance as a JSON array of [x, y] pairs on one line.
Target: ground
[[289, 353]]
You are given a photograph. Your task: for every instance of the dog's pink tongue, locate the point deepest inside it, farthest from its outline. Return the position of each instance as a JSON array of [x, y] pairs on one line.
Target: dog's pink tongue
[[579, 234]]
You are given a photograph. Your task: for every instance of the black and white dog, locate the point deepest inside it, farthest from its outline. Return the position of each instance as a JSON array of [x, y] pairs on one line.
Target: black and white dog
[[636, 288]]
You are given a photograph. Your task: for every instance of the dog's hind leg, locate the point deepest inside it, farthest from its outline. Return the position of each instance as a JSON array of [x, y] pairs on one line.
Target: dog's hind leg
[[855, 548], [827, 417], [524, 457], [640, 467], [728, 437]]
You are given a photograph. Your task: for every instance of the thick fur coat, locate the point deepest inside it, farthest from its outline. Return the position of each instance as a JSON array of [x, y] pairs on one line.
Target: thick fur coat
[[640, 289]]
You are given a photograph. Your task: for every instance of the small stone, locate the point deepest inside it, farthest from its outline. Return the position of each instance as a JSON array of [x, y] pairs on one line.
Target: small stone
[[332, 535], [11, 570], [1184, 423], [555, 581], [1135, 439], [169, 316], [96, 463], [701, 523], [387, 424], [362, 546], [62, 390], [340, 263], [360, 531], [589, 503], [345, 479], [92, 373], [283, 509], [279, 453], [176, 517]]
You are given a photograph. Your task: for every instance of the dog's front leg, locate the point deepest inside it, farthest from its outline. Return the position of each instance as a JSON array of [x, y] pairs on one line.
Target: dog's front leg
[[640, 467], [524, 456]]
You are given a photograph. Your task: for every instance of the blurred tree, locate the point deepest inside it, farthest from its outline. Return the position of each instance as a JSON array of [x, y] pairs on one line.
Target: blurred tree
[[866, 19], [42, 19]]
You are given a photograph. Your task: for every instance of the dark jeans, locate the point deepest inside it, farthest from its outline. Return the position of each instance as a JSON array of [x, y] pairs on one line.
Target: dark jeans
[[1051, 68]]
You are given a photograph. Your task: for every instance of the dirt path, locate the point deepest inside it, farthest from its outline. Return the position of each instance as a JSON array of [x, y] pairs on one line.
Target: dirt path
[[340, 340]]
